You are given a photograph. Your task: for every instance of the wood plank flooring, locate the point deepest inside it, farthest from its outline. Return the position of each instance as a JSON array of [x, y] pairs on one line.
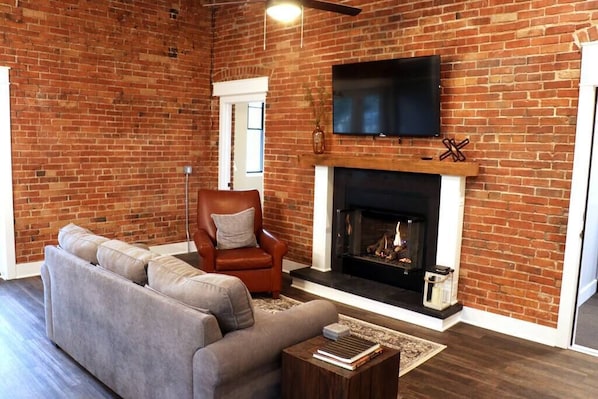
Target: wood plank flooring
[[476, 364], [586, 333]]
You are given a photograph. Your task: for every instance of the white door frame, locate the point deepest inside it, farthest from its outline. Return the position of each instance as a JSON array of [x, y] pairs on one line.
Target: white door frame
[[8, 269], [231, 92], [579, 190]]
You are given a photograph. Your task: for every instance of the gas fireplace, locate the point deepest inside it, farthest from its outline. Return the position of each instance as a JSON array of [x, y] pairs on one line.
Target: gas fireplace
[[386, 225]]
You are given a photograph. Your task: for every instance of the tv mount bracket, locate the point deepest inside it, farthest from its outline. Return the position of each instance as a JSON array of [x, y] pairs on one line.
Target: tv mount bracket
[[454, 149]]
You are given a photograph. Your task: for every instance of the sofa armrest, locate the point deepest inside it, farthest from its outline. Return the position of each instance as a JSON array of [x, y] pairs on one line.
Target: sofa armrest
[[206, 250], [243, 351], [45, 275]]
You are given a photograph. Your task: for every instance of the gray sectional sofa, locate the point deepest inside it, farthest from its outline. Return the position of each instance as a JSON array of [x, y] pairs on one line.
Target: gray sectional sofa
[[152, 326]]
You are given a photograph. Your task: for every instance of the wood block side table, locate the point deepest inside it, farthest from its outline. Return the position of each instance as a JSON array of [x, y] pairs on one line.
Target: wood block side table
[[305, 377]]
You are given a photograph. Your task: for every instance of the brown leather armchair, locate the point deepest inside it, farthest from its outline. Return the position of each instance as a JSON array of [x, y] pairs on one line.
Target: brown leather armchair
[[260, 268]]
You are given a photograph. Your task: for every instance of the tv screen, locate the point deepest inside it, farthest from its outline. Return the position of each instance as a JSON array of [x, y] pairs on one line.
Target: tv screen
[[398, 97]]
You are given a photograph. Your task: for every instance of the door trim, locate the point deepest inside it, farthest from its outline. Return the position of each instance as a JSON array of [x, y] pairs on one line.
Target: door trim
[[579, 189], [8, 268], [231, 92]]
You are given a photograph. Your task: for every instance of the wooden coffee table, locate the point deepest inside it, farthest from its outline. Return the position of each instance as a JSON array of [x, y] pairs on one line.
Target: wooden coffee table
[[304, 376]]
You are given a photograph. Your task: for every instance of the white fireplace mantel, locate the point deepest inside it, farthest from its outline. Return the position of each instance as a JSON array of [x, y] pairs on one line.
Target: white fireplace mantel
[[452, 202]]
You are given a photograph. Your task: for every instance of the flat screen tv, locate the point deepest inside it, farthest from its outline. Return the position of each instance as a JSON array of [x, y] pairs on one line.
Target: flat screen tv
[[398, 97]]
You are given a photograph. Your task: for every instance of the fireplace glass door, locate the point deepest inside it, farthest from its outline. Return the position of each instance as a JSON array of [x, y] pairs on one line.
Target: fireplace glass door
[[384, 238]]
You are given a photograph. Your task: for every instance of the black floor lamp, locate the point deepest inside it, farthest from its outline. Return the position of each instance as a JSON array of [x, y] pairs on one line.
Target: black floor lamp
[[187, 169]]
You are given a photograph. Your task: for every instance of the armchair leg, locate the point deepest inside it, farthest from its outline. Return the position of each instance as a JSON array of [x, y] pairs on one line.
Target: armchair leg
[[275, 294]]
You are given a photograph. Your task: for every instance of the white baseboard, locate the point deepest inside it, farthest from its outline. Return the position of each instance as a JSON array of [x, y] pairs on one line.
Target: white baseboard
[[174, 248], [30, 269], [384, 309], [489, 321], [510, 326], [586, 292]]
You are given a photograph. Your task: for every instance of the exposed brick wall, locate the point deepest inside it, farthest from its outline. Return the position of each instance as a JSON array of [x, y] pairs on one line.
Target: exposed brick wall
[[104, 116], [510, 72], [103, 119]]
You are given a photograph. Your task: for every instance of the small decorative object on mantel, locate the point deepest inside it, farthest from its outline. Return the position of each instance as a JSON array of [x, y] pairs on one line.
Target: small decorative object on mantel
[[318, 140], [454, 149], [317, 104]]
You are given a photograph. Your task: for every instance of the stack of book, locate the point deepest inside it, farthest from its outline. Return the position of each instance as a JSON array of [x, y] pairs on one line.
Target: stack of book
[[348, 352]]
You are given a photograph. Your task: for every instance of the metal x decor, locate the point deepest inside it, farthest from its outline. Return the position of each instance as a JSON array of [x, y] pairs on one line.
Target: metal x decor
[[454, 149]]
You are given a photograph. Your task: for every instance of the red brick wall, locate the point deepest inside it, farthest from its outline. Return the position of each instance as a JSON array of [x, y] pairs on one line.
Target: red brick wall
[[103, 119], [510, 73]]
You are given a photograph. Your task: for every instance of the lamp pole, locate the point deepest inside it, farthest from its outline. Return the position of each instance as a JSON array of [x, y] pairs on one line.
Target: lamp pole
[[187, 169]]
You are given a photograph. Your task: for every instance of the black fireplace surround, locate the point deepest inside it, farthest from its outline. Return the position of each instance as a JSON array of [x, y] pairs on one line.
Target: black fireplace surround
[[384, 198]]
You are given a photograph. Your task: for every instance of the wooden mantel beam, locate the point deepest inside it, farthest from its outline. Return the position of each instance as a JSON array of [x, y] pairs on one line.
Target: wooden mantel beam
[[411, 165]]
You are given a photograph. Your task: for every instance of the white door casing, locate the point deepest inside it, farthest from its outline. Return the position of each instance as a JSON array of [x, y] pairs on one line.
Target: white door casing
[[7, 230], [579, 190], [231, 92]]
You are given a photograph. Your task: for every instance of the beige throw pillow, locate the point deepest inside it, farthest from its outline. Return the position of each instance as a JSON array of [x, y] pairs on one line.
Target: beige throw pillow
[[235, 230]]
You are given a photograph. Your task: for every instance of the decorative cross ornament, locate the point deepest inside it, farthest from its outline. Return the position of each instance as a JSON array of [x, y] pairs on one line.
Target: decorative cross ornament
[[454, 149]]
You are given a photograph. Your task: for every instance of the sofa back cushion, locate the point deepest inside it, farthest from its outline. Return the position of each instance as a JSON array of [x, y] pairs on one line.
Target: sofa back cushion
[[80, 242], [226, 297], [128, 260]]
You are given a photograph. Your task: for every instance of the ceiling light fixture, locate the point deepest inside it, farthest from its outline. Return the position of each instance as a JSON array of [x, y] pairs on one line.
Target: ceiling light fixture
[[283, 10]]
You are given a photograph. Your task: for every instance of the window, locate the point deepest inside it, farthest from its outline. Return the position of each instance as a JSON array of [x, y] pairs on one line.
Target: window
[[255, 138]]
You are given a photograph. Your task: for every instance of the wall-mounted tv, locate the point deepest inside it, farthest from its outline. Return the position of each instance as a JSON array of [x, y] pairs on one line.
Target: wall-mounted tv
[[398, 97]]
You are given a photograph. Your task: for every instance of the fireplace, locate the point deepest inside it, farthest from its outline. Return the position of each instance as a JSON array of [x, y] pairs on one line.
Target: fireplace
[[429, 193], [385, 226]]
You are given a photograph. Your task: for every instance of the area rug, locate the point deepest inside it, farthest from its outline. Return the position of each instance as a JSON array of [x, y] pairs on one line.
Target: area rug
[[414, 351]]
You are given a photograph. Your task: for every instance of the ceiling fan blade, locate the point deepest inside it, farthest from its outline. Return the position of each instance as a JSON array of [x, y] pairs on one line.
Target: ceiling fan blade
[[333, 7]]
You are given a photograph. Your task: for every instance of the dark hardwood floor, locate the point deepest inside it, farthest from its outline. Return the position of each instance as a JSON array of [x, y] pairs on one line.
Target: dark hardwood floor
[[476, 364]]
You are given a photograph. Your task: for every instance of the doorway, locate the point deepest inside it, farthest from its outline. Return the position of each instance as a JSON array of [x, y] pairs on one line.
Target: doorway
[[575, 286], [232, 94], [248, 147], [585, 335]]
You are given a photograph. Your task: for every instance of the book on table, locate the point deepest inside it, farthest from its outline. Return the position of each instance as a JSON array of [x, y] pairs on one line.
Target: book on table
[[348, 352]]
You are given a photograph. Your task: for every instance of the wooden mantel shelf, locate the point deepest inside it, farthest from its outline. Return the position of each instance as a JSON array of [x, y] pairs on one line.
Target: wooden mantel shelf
[[411, 165]]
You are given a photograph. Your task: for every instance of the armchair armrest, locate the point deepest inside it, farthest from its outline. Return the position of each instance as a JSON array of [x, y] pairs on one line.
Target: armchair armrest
[[242, 351], [275, 247], [206, 250]]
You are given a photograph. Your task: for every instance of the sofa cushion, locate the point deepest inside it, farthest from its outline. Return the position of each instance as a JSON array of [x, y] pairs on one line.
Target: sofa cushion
[[128, 260], [80, 242], [226, 297], [235, 230]]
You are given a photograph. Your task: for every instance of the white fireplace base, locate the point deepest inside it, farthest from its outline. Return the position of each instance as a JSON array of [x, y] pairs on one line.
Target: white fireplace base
[[384, 309]]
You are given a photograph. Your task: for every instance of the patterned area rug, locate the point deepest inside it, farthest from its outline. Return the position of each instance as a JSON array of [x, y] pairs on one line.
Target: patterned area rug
[[414, 351]]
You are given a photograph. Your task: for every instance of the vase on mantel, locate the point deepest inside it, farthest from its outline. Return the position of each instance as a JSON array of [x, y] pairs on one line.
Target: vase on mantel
[[318, 140]]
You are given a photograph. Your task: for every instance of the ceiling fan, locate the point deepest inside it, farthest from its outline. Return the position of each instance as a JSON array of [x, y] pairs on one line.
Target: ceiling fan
[[315, 4]]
